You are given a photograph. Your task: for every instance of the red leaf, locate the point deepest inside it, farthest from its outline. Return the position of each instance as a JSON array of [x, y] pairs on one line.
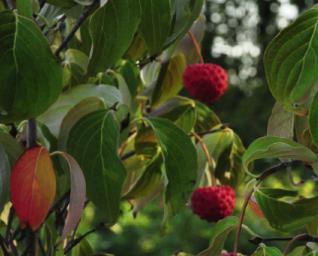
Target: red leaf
[[33, 186]]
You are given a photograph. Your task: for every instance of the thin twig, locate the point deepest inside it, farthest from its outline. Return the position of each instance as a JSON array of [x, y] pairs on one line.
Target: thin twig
[[146, 61], [59, 203], [77, 25], [268, 172], [291, 242], [218, 129], [242, 215], [3, 246], [9, 225], [197, 46], [71, 244], [258, 240], [209, 159]]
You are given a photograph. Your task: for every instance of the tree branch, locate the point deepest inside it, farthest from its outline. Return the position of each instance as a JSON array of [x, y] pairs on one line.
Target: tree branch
[[31, 133], [258, 240], [268, 172], [77, 25], [301, 237], [71, 244]]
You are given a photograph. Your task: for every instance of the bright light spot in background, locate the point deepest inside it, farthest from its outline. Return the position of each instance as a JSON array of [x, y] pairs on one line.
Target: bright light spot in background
[[244, 17], [287, 12]]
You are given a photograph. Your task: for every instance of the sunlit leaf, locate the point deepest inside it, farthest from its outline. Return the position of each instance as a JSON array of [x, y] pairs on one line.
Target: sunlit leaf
[[274, 147], [281, 122], [180, 110], [220, 232], [55, 114], [286, 215], [267, 251], [290, 59], [170, 80]]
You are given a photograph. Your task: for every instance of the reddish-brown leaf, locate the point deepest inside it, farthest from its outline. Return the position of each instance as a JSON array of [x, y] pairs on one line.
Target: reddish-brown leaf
[[33, 186]]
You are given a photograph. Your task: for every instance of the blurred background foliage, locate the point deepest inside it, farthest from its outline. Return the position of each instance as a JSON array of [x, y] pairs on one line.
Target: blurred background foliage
[[236, 35]]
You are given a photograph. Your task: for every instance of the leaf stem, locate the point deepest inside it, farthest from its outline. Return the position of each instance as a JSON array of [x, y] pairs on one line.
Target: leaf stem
[[209, 159], [197, 46], [71, 244], [242, 215], [268, 172], [292, 241], [258, 240], [77, 25]]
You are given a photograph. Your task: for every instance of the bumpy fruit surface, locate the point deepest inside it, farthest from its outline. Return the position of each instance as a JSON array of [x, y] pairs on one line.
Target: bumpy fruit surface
[[213, 203], [205, 82]]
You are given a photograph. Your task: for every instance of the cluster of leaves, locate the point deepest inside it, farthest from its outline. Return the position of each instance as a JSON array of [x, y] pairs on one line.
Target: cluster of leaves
[[97, 83], [107, 100]]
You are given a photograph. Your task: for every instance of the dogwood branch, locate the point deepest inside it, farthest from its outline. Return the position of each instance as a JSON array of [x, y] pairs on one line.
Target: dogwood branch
[[31, 133], [258, 240], [268, 172], [209, 159], [197, 46], [291, 242], [77, 25]]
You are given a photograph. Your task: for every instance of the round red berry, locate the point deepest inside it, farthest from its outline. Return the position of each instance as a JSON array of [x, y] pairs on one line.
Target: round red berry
[[213, 203], [205, 82]]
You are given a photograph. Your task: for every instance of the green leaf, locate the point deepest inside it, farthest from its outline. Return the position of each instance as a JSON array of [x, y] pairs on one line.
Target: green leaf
[[5, 171], [82, 249], [80, 110], [180, 110], [291, 58], [180, 164], [226, 149], [94, 142], [55, 114], [24, 8], [313, 120], [206, 118], [149, 180], [220, 233], [185, 12], [12, 148], [76, 64], [299, 251], [274, 147], [155, 23], [229, 169], [170, 80], [112, 29], [30, 77], [62, 3], [281, 122], [263, 250], [283, 215]]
